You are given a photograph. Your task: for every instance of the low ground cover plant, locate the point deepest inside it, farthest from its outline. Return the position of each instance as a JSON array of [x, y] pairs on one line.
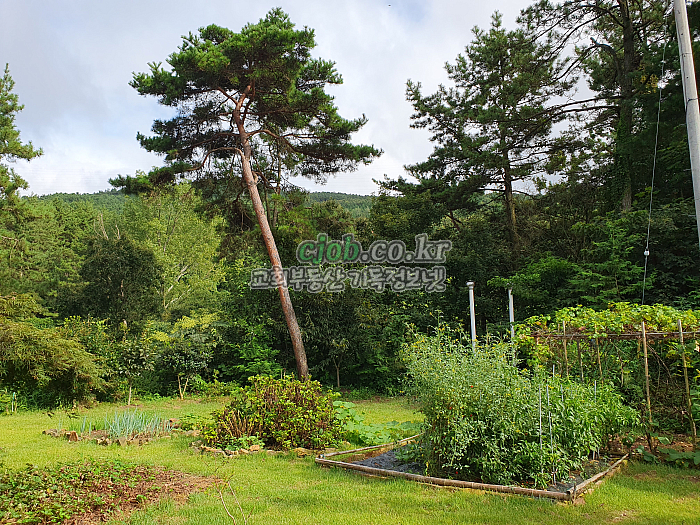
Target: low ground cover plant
[[359, 432], [56, 494], [485, 419], [283, 413]]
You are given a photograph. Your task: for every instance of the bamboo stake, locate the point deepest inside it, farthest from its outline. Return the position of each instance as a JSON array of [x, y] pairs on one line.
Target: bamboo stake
[[580, 360], [566, 355], [540, 410], [687, 387], [597, 351], [646, 370], [622, 365]]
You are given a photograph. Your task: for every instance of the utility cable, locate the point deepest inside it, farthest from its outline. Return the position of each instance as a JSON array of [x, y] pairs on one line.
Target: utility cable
[[653, 173]]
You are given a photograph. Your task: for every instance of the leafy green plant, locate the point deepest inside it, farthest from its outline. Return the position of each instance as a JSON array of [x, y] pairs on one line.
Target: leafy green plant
[[690, 459], [485, 419], [358, 432], [244, 442], [283, 413]]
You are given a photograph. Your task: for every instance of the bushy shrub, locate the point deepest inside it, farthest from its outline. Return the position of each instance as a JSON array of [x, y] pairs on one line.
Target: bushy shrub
[[41, 362], [487, 420], [283, 413]]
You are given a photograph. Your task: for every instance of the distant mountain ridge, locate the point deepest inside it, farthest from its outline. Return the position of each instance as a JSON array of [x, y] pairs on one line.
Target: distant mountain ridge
[[356, 205]]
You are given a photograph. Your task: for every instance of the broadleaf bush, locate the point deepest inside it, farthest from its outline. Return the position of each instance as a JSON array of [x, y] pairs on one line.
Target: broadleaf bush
[[482, 413], [283, 413]]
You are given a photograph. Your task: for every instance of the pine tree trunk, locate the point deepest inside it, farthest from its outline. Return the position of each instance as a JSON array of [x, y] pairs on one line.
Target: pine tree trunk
[[626, 107], [510, 208], [268, 239]]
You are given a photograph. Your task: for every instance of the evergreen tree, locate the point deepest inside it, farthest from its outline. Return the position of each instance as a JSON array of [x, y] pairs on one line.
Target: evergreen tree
[[613, 39], [13, 212], [494, 127], [233, 89]]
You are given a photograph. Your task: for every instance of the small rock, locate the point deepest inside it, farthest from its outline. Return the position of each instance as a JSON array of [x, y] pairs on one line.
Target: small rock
[[121, 441], [243, 452], [254, 448], [302, 452], [73, 436]]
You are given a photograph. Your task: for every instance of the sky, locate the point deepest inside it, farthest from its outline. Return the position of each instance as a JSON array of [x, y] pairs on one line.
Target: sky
[[72, 61]]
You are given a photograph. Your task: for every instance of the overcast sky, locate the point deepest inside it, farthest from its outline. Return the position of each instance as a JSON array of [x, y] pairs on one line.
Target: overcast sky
[[72, 62]]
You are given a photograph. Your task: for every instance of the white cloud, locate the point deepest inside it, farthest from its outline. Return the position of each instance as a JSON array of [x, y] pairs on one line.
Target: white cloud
[[72, 62]]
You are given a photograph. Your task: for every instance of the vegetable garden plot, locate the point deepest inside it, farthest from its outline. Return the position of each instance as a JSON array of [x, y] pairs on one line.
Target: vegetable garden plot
[[569, 494], [489, 420]]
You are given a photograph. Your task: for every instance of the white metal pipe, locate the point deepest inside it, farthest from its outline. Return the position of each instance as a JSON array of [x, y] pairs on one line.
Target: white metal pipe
[[511, 313], [690, 96], [472, 315]]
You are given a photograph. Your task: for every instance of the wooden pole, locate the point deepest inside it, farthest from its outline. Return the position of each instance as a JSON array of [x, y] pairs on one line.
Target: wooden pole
[[597, 352], [687, 386], [580, 360], [646, 371], [566, 355]]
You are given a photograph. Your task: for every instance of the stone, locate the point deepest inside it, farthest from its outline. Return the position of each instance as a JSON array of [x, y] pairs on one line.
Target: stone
[[73, 436], [122, 441], [254, 448], [303, 452]]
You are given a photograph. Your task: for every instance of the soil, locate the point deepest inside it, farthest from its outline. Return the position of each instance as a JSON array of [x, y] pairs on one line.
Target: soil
[[389, 461], [170, 483]]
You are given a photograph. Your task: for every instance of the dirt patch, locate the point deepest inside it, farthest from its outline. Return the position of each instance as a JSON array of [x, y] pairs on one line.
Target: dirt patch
[[90, 492], [165, 484], [646, 476]]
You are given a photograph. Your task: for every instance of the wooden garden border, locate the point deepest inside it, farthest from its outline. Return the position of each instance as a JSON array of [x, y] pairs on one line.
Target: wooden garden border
[[569, 495]]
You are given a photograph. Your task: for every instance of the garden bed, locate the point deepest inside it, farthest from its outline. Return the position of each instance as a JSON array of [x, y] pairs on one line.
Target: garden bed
[[380, 461]]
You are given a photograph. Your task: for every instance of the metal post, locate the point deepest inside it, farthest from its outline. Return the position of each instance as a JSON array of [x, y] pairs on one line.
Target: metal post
[[690, 96], [472, 315], [511, 313]]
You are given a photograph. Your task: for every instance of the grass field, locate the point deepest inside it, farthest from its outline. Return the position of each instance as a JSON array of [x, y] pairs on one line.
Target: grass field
[[284, 489]]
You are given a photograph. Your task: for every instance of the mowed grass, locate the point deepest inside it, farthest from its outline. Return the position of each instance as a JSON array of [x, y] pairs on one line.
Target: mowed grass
[[285, 489]]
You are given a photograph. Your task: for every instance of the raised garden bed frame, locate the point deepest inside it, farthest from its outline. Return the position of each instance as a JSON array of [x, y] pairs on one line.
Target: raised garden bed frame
[[570, 495]]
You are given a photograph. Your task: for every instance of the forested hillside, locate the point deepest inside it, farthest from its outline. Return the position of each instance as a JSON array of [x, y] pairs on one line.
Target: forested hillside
[[152, 284]]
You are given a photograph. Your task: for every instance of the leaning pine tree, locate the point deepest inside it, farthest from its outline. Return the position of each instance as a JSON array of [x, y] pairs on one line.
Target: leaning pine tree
[[233, 89]]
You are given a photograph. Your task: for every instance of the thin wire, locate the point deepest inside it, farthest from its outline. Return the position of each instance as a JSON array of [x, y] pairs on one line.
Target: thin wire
[[653, 173]]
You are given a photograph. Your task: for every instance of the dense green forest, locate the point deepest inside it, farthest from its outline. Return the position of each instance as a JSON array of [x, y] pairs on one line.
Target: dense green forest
[[148, 286]]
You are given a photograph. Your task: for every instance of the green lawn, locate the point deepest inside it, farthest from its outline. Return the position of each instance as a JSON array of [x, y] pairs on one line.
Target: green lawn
[[285, 489]]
